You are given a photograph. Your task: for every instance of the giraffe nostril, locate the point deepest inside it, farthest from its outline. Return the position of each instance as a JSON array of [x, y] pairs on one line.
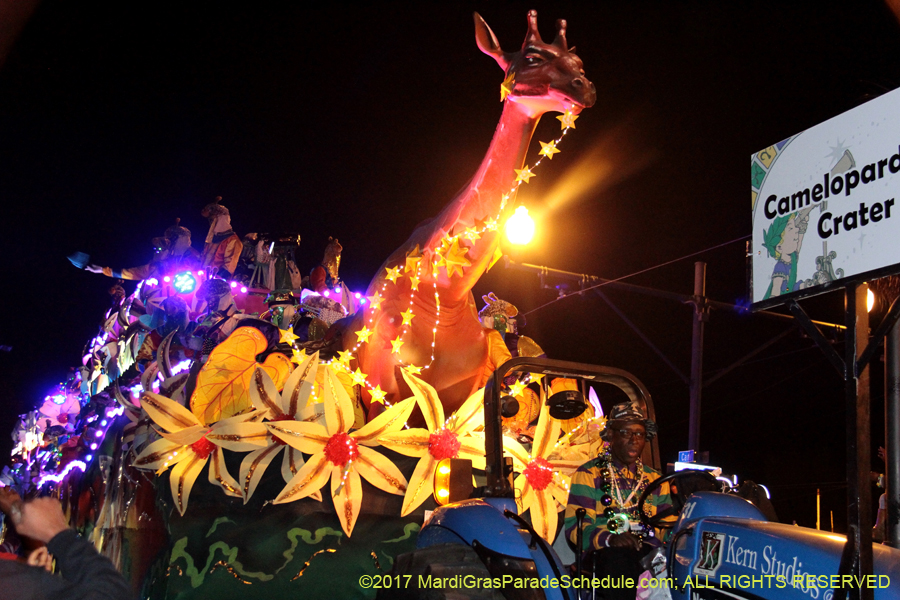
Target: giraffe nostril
[[578, 83]]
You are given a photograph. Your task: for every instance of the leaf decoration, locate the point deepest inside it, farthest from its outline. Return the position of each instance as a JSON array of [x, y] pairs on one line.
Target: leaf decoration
[[224, 381]]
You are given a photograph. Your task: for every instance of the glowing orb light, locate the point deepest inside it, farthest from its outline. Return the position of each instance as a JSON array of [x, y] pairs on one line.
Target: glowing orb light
[[870, 300], [520, 227], [184, 283]]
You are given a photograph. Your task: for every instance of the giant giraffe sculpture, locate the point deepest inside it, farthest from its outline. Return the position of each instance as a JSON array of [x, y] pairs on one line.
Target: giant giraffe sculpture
[[447, 254]]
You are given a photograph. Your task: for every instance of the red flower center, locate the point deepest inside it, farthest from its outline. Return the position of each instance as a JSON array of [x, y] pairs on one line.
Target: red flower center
[[275, 438], [538, 474], [341, 449], [203, 447], [443, 444]]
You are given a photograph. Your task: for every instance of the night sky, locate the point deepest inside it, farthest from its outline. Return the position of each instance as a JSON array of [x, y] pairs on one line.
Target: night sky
[[360, 122]]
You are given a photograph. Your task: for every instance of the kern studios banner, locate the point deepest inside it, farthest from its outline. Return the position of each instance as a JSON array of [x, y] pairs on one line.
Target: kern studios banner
[[825, 203]]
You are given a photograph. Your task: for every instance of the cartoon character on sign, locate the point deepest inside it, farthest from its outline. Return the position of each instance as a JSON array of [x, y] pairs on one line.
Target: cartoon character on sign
[[783, 240]]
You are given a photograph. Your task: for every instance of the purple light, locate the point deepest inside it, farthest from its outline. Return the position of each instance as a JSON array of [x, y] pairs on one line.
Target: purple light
[[103, 422], [99, 433], [167, 279], [325, 293], [72, 465], [357, 295], [243, 289], [362, 300], [88, 458], [94, 446], [337, 290], [234, 284]]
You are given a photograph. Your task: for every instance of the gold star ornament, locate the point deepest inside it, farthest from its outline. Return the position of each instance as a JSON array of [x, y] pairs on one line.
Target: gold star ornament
[[396, 343], [548, 149], [506, 88], [358, 377], [363, 335], [524, 175], [567, 119], [378, 394], [392, 274], [407, 316], [455, 259], [375, 301]]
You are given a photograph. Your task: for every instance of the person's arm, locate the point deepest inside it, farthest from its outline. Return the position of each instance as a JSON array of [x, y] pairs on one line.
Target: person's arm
[[89, 576], [584, 494], [131, 274]]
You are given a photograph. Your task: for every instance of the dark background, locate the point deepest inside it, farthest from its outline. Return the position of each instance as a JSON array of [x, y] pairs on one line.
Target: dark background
[[360, 121]]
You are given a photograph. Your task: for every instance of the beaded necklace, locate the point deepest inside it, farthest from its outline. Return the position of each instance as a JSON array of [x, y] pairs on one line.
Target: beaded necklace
[[619, 521]]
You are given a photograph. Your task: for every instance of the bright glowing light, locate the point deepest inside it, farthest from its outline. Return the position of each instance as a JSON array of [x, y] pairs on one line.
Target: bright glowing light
[[357, 295], [766, 490], [99, 433], [167, 279], [75, 464], [88, 458], [234, 284], [870, 300], [243, 289], [362, 300], [58, 399], [325, 293], [520, 227], [337, 290], [103, 422], [94, 446], [185, 283]]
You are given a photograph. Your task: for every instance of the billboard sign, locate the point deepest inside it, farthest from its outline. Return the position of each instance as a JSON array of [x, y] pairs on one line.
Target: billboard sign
[[826, 204]]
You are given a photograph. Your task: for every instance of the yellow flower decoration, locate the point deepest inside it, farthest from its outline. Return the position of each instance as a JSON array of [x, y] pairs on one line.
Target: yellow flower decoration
[[543, 484], [340, 454], [187, 445], [290, 405], [440, 440]]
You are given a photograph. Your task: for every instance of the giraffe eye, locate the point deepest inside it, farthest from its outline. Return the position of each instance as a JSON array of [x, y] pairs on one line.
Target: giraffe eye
[[533, 59]]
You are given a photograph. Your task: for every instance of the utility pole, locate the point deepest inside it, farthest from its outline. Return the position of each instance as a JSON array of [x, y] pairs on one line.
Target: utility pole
[[701, 315]]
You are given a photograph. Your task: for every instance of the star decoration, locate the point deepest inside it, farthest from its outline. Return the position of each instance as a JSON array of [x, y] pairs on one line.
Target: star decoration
[[363, 335], [407, 316], [396, 344], [375, 301], [413, 369], [548, 149], [455, 258], [412, 260], [507, 86], [358, 377], [378, 394], [288, 336], [472, 234], [491, 224], [344, 358], [414, 282], [567, 119], [524, 175], [392, 274], [297, 356], [516, 389]]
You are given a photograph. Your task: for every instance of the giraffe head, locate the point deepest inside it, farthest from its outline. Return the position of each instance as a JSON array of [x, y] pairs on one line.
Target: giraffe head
[[548, 77]]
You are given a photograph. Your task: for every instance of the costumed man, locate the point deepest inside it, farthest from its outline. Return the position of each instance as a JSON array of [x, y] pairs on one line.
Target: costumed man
[[609, 488], [324, 278], [223, 247], [173, 253]]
